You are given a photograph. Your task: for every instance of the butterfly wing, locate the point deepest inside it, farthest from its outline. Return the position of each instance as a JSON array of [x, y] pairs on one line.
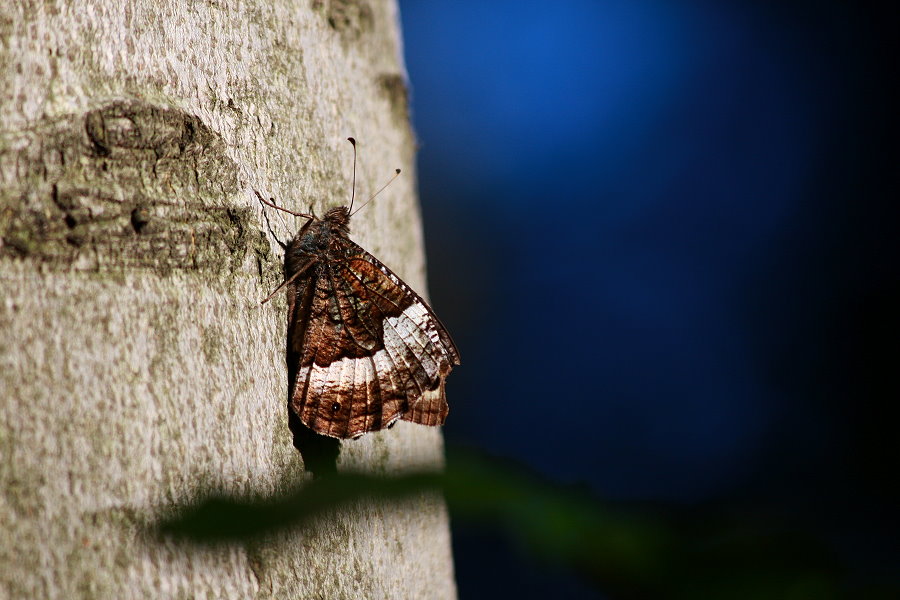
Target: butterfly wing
[[369, 349]]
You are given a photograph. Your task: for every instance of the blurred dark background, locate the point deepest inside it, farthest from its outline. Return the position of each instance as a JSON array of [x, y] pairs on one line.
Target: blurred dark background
[[664, 237]]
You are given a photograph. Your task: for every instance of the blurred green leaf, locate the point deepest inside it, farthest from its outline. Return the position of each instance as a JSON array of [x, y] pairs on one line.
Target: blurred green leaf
[[628, 553]]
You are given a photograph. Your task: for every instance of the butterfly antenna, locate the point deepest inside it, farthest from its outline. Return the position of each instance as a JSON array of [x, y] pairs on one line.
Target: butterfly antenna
[[390, 181], [353, 187]]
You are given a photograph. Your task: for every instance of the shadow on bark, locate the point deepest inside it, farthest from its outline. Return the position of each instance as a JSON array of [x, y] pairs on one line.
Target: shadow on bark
[[319, 452]]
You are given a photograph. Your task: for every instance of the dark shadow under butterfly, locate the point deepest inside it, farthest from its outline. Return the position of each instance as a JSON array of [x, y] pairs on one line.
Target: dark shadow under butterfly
[[364, 350]]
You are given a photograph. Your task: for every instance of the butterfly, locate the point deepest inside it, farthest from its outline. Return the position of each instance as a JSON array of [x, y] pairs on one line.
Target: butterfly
[[364, 349]]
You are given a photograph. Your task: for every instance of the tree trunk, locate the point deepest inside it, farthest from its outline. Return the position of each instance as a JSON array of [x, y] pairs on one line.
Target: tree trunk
[[137, 366]]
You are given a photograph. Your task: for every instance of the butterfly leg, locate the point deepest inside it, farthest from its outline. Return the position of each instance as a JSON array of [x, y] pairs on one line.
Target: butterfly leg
[[287, 281]]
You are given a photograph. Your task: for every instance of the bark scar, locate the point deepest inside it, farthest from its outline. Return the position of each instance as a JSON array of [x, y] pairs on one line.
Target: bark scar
[[126, 185]]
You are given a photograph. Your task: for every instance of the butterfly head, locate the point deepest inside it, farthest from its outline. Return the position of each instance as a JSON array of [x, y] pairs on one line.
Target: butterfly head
[[338, 220]]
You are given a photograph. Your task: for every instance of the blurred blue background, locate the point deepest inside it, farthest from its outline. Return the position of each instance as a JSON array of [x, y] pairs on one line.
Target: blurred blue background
[[663, 235]]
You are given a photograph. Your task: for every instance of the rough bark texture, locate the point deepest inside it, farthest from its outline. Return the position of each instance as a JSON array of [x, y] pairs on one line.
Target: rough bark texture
[[137, 368]]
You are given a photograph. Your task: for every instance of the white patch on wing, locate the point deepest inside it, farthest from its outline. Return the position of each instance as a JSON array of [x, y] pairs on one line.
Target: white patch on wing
[[398, 352], [392, 386], [415, 340], [417, 331], [362, 400]]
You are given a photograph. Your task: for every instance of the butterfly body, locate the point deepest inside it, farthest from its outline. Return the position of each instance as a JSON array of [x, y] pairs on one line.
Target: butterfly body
[[321, 238], [364, 350]]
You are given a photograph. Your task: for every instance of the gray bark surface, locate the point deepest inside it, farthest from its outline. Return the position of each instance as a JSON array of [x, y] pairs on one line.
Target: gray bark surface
[[137, 368]]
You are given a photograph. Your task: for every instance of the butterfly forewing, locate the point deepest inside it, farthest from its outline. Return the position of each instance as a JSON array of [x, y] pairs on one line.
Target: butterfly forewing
[[368, 349]]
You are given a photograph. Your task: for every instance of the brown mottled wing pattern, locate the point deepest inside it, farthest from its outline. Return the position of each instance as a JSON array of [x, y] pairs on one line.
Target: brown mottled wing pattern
[[368, 349]]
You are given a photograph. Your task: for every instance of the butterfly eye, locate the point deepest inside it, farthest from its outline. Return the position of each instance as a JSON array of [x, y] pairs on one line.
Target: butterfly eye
[[335, 407]]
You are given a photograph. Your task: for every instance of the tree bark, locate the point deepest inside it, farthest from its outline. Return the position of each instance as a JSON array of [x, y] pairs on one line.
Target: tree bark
[[137, 366]]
